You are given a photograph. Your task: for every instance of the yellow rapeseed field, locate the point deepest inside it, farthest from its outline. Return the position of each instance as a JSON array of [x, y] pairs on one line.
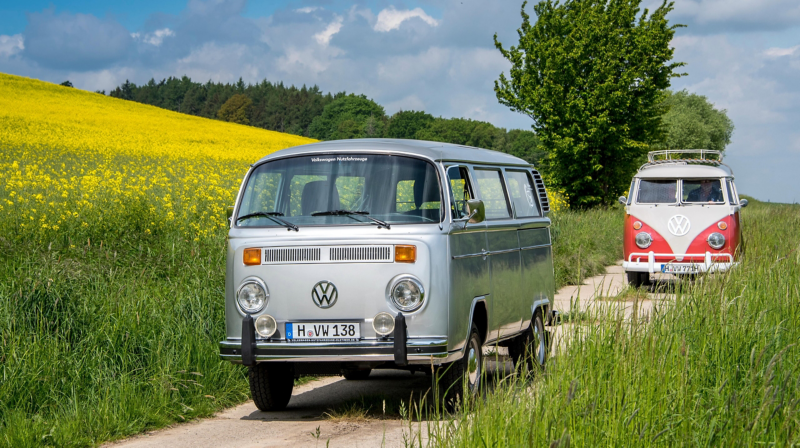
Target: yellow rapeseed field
[[72, 162]]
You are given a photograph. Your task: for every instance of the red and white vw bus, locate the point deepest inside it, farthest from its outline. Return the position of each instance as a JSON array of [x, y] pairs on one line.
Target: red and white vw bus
[[682, 216]]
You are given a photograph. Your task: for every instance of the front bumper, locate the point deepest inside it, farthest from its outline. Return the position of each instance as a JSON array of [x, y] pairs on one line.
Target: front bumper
[[646, 262], [419, 351]]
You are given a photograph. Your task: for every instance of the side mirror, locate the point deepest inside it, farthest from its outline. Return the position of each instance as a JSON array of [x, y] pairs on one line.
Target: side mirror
[[229, 214], [476, 210], [743, 202], [623, 200]]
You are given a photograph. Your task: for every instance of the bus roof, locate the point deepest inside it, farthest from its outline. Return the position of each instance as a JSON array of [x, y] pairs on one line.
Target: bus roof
[[680, 170], [436, 151]]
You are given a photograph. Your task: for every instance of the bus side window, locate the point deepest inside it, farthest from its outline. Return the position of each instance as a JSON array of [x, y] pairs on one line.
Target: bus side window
[[460, 190], [732, 199]]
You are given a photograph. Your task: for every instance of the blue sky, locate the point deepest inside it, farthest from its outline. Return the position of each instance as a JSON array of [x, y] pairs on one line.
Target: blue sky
[[434, 55]]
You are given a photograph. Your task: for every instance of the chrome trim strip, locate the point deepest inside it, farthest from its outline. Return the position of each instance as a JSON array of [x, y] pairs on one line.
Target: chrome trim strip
[[535, 247], [505, 251]]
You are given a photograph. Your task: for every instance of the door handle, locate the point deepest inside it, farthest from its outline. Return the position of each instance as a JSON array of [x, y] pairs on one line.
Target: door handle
[[485, 253]]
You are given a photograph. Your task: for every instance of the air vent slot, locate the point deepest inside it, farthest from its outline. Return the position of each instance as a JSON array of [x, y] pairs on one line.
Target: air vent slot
[[361, 253], [542, 191], [292, 255]]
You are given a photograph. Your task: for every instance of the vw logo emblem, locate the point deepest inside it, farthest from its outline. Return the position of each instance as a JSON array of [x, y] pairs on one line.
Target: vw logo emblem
[[324, 294], [678, 225]]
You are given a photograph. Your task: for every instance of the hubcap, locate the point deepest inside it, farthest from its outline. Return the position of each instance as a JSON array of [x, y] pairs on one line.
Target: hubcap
[[539, 344], [473, 366]]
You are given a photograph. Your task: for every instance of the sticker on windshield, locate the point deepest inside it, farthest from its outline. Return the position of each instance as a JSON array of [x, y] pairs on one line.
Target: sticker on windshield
[[339, 159]]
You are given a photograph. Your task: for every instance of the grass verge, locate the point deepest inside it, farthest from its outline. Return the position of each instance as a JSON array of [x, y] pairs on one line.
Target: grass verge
[[718, 367]]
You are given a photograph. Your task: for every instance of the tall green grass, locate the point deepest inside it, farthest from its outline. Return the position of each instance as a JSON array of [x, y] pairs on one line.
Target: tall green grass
[[116, 334], [585, 242], [717, 366]]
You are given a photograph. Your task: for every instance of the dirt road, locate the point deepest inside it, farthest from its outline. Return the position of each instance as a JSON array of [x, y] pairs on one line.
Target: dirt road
[[244, 425]]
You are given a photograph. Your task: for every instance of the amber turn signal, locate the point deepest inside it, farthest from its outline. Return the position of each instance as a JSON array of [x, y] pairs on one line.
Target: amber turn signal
[[722, 225], [637, 225], [405, 254], [252, 256]]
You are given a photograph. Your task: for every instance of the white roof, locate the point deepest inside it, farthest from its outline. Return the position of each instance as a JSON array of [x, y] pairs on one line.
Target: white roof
[[436, 151], [683, 170]]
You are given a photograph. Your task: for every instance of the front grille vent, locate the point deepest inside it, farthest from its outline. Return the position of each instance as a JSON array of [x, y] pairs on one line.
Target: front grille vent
[[328, 254], [361, 253], [292, 255]]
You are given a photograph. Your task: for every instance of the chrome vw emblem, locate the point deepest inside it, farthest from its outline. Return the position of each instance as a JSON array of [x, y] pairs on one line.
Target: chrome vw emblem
[[324, 294], [678, 225]]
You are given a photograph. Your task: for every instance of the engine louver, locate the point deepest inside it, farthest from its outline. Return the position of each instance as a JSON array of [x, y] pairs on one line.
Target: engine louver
[[537, 178]]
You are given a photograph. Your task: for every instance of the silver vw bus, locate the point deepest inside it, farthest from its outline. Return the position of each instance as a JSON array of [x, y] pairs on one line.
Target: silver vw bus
[[353, 255]]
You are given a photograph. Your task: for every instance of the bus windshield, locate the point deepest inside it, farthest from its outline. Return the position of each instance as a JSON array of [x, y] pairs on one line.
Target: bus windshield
[[341, 189]]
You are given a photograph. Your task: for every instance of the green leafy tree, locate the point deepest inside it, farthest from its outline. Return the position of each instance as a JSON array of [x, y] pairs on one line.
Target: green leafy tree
[[236, 109], [406, 124], [330, 125], [693, 123], [525, 145], [67, 83], [592, 75]]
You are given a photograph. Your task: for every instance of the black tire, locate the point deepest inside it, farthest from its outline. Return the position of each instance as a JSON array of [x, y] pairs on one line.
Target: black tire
[[271, 386], [356, 374], [462, 378], [638, 279], [529, 350]]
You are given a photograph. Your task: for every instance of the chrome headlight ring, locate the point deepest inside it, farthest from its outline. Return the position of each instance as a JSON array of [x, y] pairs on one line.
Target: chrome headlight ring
[[643, 240], [252, 295], [406, 293], [716, 240]]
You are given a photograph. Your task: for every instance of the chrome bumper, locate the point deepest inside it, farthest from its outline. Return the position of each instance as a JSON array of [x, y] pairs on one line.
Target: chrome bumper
[[646, 262], [419, 351]]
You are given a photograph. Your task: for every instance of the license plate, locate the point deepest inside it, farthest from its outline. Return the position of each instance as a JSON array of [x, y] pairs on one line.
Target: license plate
[[323, 331], [679, 269]]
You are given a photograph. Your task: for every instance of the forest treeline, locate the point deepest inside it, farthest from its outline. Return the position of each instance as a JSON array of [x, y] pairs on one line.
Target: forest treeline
[[309, 112]]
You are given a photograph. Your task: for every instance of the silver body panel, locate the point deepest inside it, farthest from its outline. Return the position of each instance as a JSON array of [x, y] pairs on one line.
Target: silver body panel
[[505, 264]]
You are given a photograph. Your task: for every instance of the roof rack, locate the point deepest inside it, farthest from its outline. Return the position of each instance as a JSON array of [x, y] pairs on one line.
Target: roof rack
[[669, 157]]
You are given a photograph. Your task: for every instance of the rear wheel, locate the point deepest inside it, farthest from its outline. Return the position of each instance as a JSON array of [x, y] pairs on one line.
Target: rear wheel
[[530, 347], [461, 379], [356, 374], [271, 386]]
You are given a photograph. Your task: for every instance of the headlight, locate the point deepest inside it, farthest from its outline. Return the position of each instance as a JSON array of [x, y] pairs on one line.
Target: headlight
[[266, 325], [716, 240], [252, 295], [383, 323], [643, 240], [406, 293]]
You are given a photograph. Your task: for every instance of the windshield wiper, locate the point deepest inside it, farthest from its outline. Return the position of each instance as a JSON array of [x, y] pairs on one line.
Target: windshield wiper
[[272, 216], [353, 212]]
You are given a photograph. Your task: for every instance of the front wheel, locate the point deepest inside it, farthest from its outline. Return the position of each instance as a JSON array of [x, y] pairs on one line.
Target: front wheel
[[271, 386], [462, 379], [356, 374], [638, 279]]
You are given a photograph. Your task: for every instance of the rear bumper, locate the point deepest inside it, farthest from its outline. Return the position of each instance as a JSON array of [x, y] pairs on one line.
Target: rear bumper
[[419, 351], [646, 262]]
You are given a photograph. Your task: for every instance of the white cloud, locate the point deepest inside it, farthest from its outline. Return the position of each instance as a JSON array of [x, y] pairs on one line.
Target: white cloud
[[777, 52], [11, 45], [324, 37], [307, 9], [156, 38], [391, 18]]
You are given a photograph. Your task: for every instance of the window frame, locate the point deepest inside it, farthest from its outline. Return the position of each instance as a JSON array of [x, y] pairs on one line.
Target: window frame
[[678, 189], [535, 191], [451, 196], [500, 170]]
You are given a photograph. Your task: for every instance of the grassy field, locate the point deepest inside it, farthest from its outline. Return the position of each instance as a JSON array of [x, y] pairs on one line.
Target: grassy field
[[112, 235], [112, 244], [719, 367]]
